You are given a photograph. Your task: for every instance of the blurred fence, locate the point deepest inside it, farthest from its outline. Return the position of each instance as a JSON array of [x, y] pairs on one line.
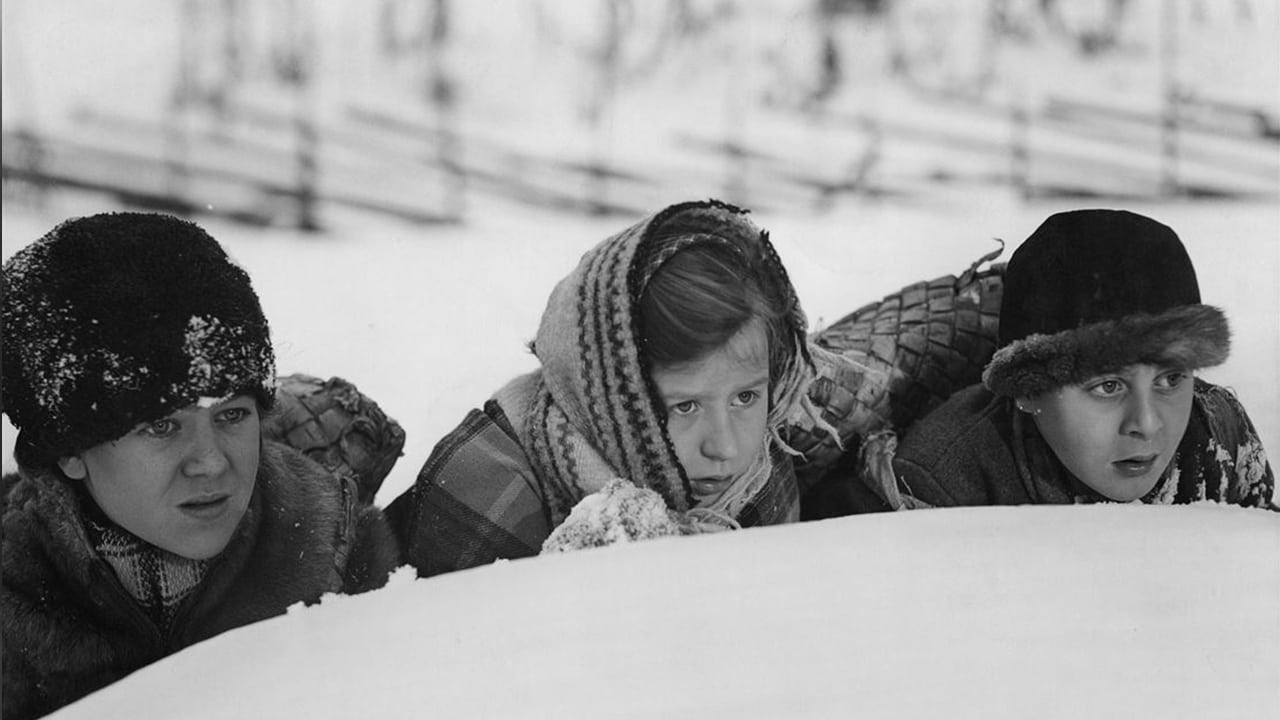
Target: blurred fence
[[272, 112]]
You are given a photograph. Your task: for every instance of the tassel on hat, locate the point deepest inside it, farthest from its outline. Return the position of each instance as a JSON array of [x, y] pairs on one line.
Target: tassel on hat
[[122, 318], [1093, 291]]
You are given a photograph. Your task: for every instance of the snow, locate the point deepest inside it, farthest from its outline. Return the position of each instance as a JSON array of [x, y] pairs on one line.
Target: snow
[[1045, 612], [1028, 612], [208, 402]]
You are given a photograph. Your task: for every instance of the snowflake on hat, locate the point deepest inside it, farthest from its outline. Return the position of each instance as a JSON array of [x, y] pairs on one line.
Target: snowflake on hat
[[122, 318]]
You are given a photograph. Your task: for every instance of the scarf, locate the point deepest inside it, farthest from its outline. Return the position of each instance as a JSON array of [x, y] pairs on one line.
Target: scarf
[[158, 580], [593, 413]]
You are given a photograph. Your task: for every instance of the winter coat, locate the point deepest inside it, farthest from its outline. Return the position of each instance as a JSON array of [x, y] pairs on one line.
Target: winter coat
[[976, 449], [477, 499], [71, 627], [497, 485]]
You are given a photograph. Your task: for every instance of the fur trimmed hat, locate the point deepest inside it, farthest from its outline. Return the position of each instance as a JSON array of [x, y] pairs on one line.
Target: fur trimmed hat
[[122, 318], [1093, 291]]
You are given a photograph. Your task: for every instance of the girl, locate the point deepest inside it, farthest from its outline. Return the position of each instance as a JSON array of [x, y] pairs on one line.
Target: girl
[[148, 512], [1092, 394], [670, 358]]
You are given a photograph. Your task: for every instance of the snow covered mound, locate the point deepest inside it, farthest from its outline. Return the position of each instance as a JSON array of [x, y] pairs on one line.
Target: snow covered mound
[[1032, 612]]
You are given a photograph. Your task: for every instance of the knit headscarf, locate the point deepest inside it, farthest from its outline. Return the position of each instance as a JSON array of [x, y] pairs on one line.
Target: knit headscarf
[[593, 412]]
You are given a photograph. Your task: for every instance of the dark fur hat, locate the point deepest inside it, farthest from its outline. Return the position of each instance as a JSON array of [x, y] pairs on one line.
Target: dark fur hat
[[121, 318], [1092, 291]]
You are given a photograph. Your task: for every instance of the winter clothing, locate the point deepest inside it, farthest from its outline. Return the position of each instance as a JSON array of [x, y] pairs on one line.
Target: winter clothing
[[619, 512], [85, 603], [112, 321], [333, 423], [497, 485], [977, 449], [1090, 292], [121, 318], [157, 580], [1093, 291], [883, 366]]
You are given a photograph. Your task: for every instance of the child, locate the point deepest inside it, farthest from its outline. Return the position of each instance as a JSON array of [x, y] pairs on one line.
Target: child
[[1092, 395], [670, 357], [148, 512]]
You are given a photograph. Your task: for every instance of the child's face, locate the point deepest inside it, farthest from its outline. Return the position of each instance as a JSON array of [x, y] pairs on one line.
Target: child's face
[[1117, 432], [717, 408], [182, 483]]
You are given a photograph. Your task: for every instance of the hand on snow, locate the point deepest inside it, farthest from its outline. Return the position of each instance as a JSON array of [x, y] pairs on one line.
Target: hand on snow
[[622, 512], [619, 512]]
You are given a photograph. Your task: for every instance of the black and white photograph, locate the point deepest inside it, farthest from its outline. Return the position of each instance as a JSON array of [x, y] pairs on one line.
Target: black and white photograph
[[640, 358]]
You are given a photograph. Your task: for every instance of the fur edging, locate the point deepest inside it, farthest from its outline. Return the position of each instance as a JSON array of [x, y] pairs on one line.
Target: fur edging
[[1191, 337]]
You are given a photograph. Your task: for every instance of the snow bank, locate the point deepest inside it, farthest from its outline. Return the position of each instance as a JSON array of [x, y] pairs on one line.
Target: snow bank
[[1045, 612]]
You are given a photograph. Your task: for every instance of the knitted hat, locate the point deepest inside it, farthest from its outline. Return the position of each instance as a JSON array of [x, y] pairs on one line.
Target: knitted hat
[[122, 318], [1093, 291]]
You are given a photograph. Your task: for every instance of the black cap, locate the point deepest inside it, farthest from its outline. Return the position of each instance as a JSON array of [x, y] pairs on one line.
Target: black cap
[[1092, 291]]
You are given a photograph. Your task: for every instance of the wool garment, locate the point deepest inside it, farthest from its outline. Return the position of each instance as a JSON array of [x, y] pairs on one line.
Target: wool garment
[[157, 580], [1093, 291], [117, 319], [511, 472], [594, 397], [72, 624], [977, 449]]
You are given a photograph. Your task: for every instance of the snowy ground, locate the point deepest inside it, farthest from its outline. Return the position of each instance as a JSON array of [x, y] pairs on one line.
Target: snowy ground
[[1023, 613], [1046, 612], [1099, 612]]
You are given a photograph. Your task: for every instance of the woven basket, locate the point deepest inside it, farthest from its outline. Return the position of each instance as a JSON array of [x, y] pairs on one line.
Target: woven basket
[[890, 362], [333, 423]]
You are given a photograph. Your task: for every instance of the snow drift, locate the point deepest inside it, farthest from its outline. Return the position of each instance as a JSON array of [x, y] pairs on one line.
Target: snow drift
[[1046, 612]]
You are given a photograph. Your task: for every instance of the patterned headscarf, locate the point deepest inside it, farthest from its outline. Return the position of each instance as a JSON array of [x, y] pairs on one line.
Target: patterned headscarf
[[593, 412]]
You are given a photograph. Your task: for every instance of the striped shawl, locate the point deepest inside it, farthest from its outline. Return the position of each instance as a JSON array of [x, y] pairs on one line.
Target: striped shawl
[[593, 412], [498, 484]]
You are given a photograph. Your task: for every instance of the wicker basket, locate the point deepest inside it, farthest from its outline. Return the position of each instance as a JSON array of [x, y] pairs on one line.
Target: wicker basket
[[889, 362], [333, 423]]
